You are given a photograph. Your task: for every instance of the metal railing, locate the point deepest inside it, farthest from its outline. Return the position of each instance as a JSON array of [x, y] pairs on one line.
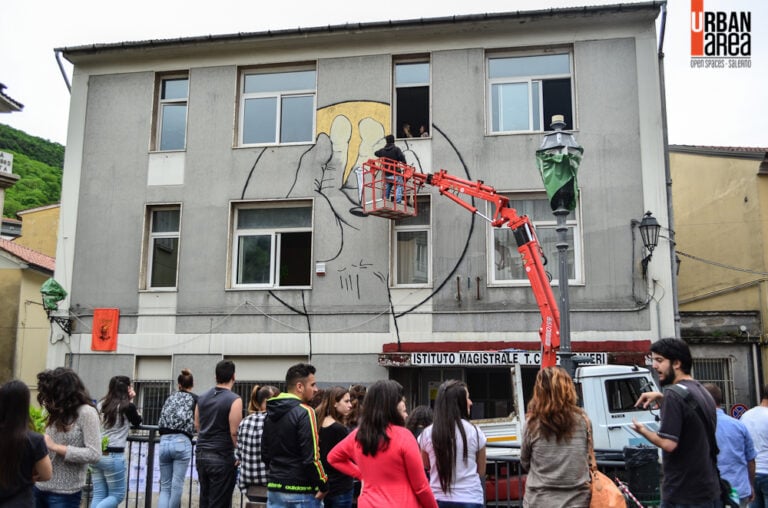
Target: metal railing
[[503, 487]]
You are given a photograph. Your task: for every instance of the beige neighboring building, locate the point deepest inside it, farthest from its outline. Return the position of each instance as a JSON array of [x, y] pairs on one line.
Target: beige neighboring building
[[24, 327], [720, 200], [39, 228]]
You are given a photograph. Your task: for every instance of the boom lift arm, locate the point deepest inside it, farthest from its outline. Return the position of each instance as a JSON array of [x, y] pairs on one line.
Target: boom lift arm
[[528, 245]]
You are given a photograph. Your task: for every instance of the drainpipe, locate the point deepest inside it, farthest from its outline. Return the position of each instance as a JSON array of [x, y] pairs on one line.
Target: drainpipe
[[667, 172], [63, 73]]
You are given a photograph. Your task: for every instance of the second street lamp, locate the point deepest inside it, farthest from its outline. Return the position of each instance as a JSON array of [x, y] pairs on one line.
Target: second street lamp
[[558, 160]]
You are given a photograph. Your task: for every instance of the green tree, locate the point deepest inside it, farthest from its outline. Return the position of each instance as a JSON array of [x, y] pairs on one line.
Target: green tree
[[38, 163]]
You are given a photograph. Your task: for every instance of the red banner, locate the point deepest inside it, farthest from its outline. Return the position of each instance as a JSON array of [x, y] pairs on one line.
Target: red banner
[[104, 334]]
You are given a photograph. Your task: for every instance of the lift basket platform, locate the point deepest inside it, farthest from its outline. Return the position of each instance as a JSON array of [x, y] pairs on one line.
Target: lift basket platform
[[383, 182]]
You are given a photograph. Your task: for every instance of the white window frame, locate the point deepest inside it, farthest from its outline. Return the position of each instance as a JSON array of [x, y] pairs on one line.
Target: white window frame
[[529, 81], [274, 233], [160, 110], [278, 95], [397, 227], [151, 236], [396, 122], [573, 221]]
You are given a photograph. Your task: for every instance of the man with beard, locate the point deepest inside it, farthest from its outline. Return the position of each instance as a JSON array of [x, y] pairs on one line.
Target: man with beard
[[685, 434]]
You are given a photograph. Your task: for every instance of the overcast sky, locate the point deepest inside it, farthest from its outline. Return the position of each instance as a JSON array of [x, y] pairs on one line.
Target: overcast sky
[[715, 107]]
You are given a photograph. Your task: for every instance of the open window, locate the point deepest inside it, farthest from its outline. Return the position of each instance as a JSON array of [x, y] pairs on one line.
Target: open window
[[412, 79], [524, 92], [271, 244]]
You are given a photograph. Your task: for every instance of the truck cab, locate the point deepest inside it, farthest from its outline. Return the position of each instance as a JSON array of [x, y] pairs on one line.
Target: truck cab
[[608, 394]]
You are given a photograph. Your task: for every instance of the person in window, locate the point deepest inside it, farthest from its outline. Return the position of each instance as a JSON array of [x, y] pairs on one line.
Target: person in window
[[407, 130], [423, 132], [117, 415], [177, 428], [391, 151]]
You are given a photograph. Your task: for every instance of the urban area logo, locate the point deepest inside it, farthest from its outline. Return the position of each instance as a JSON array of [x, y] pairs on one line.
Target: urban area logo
[[720, 39]]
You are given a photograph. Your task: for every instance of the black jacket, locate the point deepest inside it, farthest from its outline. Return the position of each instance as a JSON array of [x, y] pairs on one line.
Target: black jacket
[[290, 447], [390, 151]]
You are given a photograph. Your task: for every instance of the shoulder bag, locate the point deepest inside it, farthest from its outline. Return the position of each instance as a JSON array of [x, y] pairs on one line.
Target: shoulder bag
[[605, 493]]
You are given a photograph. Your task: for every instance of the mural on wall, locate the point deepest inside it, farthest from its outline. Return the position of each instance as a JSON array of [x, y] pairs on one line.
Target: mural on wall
[[348, 134]]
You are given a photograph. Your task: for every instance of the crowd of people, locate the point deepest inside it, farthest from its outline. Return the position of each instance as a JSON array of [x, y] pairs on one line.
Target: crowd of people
[[341, 447]]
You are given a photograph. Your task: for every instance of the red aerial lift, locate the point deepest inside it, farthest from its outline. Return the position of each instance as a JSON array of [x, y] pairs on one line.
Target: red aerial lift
[[378, 172]]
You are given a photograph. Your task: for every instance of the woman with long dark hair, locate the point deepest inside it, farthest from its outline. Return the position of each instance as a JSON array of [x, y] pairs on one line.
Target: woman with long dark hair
[[383, 454], [453, 449], [118, 414], [332, 414], [177, 428], [72, 436], [555, 448], [24, 454]]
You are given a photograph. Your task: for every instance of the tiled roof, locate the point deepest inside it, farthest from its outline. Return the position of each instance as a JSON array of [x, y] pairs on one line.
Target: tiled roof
[[7, 104], [28, 255], [724, 149]]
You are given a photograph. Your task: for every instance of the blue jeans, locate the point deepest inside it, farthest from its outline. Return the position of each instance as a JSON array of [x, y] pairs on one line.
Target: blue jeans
[[398, 189], [175, 454], [217, 473], [343, 500], [45, 499], [277, 499], [454, 504], [108, 476], [761, 491], [710, 504]]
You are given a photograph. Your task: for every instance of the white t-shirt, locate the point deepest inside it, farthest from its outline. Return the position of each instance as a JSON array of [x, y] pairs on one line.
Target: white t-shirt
[[467, 487], [756, 420]]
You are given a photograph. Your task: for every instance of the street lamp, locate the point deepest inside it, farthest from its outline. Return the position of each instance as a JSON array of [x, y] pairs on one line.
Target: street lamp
[[649, 231], [558, 159]]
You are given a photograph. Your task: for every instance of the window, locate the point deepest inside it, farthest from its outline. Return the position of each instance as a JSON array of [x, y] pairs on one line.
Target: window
[[525, 91], [717, 371], [151, 397], [162, 247], [411, 99], [506, 265], [623, 393], [272, 245], [172, 113], [411, 257], [491, 393], [277, 107]]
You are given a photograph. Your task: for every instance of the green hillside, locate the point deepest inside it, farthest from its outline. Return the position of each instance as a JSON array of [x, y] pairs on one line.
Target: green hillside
[[39, 164]]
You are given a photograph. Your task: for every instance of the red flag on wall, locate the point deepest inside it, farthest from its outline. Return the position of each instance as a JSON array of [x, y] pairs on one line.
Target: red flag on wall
[[104, 334]]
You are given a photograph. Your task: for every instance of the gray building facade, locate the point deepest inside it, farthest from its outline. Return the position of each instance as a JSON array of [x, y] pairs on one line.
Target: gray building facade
[[211, 196]]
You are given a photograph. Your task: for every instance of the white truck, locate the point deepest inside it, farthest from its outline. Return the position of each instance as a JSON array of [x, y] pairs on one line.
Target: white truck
[[607, 393]]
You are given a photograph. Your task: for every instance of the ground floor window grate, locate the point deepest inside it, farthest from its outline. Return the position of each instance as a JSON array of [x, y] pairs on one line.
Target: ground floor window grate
[[717, 371]]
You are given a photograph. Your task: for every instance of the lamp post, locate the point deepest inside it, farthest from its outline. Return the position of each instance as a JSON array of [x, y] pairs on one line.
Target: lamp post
[[649, 231], [558, 159]]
